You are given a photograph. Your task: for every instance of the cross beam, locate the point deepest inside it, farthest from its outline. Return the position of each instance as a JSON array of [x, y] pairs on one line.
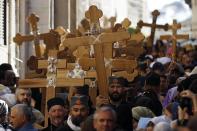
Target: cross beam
[[153, 27], [174, 37]]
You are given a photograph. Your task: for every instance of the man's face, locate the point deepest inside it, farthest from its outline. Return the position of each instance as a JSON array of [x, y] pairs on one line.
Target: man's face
[[16, 119], [78, 114], [24, 96], [56, 115], [115, 91], [104, 121]]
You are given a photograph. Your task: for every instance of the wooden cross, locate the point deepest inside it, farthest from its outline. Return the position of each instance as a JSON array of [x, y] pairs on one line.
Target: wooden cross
[[133, 47], [153, 26], [51, 39], [112, 21], [42, 82], [32, 20], [174, 37], [94, 14], [104, 38], [126, 23]]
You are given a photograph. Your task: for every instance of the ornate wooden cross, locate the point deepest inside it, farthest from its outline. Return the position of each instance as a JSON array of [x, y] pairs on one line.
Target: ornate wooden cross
[[174, 37], [153, 26], [103, 39], [126, 23], [52, 64], [51, 39], [32, 20]]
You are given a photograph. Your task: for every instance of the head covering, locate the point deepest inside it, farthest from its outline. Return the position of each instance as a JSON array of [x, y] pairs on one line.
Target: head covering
[[55, 101], [82, 90], [163, 60], [79, 100], [150, 57], [119, 80], [159, 119], [162, 126], [143, 122], [140, 111]]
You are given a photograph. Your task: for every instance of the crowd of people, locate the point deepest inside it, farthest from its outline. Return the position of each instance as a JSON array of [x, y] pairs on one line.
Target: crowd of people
[[163, 97]]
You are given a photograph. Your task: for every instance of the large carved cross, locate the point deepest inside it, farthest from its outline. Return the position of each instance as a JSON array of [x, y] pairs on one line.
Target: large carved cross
[[153, 27], [44, 83], [103, 39], [51, 39], [174, 37], [32, 20]]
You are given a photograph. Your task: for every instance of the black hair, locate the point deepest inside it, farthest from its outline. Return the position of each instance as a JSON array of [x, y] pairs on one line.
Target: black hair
[[5, 66], [158, 66], [152, 79]]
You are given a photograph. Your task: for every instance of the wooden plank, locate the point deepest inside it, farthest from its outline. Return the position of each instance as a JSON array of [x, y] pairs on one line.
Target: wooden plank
[[39, 83], [100, 68], [42, 64]]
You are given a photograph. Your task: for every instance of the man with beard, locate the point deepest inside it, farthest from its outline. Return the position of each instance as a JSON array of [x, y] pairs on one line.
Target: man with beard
[[23, 96], [57, 113], [117, 101], [78, 113]]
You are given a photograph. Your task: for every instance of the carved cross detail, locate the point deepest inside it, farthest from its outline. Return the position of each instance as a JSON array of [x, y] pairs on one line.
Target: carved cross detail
[[153, 27], [174, 37]]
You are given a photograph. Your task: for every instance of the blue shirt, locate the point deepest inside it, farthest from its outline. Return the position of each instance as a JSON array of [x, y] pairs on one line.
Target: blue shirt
[[27, 127]]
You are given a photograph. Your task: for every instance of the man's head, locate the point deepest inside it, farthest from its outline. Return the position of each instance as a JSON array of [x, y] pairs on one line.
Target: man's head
[[152, 82], [104, 119], [23, 96], [56, 111], [158, 68], [20, 115], [10, 78], [79, 109], [116, 88]]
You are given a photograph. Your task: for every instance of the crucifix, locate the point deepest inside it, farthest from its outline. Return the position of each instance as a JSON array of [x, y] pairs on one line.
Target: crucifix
[[174, 37], [126, 23], [153, 27], [131, 48], [107, 38], [51, 39], [52, 81], [19, 39]]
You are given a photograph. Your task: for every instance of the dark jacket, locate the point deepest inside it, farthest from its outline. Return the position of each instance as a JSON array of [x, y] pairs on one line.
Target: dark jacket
[[64, 127], [50, 128], [150, 100], [124, 116]]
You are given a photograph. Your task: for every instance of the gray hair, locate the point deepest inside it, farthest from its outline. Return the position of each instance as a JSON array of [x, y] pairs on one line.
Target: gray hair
[[105, 109], [25, 110]]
